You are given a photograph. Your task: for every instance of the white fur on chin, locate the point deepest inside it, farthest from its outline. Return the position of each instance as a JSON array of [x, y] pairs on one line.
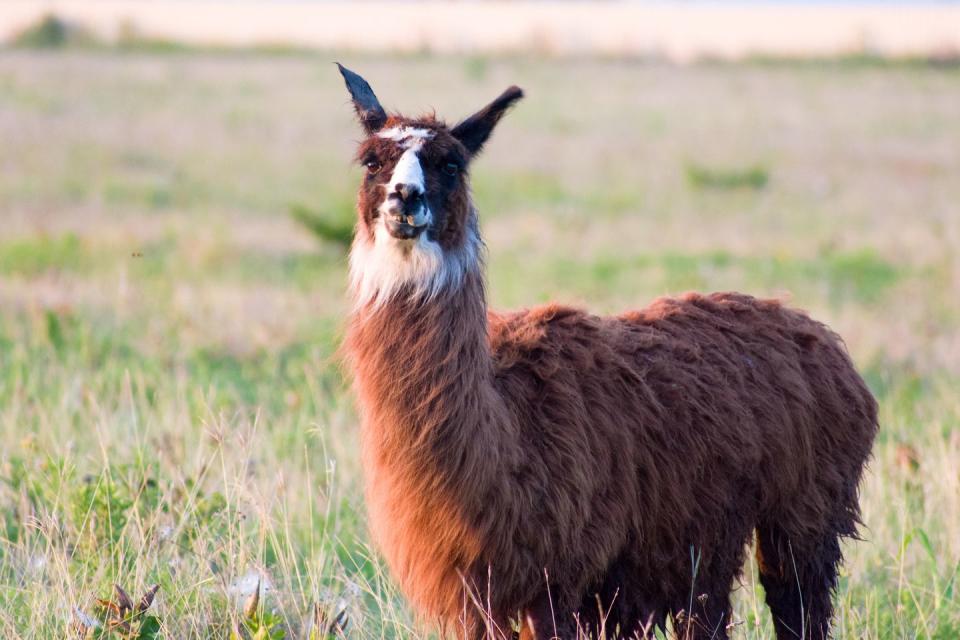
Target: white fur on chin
[[380, 269]]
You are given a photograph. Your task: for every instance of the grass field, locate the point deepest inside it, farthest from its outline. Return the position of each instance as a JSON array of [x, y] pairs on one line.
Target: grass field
[[172, 409]]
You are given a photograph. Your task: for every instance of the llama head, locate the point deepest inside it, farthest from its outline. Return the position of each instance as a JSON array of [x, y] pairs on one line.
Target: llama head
[[417, 228]]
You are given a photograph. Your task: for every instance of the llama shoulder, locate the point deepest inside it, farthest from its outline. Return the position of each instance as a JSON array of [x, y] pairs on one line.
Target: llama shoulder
[[540, 334]]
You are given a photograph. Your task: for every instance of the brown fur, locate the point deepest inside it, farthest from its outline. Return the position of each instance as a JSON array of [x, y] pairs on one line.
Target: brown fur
[[553, 465]]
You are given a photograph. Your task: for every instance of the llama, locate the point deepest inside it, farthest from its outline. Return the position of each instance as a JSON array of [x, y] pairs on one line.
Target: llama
[[552, 473]]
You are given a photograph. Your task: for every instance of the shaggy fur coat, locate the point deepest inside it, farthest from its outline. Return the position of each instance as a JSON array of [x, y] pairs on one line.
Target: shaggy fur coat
[[617, 465]]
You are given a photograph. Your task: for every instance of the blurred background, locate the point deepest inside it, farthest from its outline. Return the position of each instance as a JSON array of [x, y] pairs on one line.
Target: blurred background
[[176, 202]]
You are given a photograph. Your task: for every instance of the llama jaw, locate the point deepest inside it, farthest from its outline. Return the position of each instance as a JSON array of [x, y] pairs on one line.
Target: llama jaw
[[405, 217], [407, 227]]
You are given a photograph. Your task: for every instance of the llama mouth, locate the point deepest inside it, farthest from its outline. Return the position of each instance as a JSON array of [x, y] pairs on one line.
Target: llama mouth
[[404, 227]]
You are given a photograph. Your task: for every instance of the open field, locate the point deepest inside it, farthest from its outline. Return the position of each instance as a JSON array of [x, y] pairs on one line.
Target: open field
[[171, 406], [676, 31]]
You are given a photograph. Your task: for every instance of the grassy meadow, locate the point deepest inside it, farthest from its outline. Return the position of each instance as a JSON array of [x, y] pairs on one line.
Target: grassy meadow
[[172, 409]]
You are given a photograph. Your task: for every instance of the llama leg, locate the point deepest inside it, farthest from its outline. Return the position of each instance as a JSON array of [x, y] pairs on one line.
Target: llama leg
[[799, 577], [621, 607], [629, 613], [542, 620], [708, 616], [487, 629], [642, 621], [704, 612]]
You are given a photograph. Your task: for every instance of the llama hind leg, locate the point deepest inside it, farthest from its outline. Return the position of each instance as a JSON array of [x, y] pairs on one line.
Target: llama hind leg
[[799, 577]]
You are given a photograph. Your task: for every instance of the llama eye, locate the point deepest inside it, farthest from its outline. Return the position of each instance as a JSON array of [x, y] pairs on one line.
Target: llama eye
[[451, 168], [372, 166]]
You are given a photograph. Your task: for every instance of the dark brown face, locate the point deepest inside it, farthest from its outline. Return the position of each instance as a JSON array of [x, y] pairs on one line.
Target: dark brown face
[[414, 183], [417, 228]]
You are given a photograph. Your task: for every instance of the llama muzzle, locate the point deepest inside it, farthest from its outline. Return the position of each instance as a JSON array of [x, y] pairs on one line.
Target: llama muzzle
[[406, 216]]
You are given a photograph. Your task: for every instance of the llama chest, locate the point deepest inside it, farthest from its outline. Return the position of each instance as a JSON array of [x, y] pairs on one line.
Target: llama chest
[[416, 525]]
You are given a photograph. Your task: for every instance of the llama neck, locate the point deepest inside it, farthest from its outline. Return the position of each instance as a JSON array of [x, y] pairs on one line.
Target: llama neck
[[436, 436], [423, 367]]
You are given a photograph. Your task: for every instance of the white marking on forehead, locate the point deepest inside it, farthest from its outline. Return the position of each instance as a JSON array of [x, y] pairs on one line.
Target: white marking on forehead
[[399, 134]]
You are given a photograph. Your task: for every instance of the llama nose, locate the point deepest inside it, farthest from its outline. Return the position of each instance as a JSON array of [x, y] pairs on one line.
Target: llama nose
[[408, 192]]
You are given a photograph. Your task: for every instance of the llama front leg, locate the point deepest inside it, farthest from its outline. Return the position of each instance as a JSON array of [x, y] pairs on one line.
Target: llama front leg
[[630, 617], [704, 612], [543, 621], [622, 607], [707, 618]]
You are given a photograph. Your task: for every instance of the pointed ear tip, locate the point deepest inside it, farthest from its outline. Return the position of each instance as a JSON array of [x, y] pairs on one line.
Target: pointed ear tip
[[514, 92]]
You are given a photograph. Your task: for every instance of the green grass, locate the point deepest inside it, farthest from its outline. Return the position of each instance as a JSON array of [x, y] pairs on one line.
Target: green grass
[[36, 255], [751, 177], [172, 408], [841, 278]]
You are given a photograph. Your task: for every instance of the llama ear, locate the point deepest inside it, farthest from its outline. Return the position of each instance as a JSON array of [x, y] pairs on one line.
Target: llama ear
[[474, 131], [371, 114]]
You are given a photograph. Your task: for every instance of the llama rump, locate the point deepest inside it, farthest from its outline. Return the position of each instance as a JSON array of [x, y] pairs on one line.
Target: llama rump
[[551, 473]]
